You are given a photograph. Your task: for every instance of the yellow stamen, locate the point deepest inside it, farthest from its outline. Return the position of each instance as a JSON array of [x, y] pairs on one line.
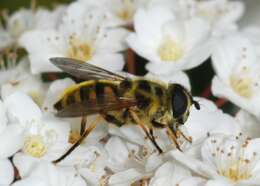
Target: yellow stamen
[[170, 50], [242, 85], [79, 50], [126, 14], [235, 173], [34, 146]]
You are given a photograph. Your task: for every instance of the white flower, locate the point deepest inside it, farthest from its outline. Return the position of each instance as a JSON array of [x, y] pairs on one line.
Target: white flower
[[235, 60], [42, 134], [232, 160], [222, 15], [47, 174], [93, 169], [170, 173], [82, 35], [249, 124], [8, 132], [130, 162], [17, 23], [171, 44], [6, 173], [127, 177], [18, 78], [24, 20], [209, 120], [120, 12]]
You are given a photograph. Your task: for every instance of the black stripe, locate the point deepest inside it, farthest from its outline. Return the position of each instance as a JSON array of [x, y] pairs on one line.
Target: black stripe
[[84, 93], [58, 105], [70, 99], [100, 88], [143, 102], [158, 91], [144, 85], [125, 85], [113, 119]]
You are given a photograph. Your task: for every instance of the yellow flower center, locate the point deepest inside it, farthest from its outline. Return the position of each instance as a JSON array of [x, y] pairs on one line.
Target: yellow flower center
[[235, 173], [231, 161], [79, 50], [34, 146], [170, 50], [241, 85], [126, 13]]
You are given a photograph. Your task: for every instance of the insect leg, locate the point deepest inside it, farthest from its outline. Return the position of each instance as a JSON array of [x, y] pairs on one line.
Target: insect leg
[[146, 131], [83, 125], [189, 139], [80, 140], [154, 142], [172, 135]]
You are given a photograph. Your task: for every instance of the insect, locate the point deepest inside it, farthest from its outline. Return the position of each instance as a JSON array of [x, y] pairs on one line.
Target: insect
[[122, 100]]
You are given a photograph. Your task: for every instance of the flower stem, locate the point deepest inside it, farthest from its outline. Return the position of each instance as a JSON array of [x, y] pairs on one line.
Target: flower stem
[[221, 102], [131, 61]]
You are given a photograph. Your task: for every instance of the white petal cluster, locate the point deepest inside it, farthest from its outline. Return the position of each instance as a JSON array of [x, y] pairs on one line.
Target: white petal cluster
[[172, 37], [175, 44]]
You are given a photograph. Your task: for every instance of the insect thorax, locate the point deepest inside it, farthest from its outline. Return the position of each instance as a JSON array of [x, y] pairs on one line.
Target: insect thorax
[[152, 98]]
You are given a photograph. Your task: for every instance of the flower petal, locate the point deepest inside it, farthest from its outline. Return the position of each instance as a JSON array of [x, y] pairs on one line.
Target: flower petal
[[113, 61], [249, 124], [11, 140], [126, 177], [54, 92], [7, 172], [3, 117], [169, 174], [16, 111], [195, 165], [194, 181], [24, 163], [209, 120]]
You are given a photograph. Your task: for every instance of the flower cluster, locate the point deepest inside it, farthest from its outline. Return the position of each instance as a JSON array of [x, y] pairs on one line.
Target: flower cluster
[[172, 36]]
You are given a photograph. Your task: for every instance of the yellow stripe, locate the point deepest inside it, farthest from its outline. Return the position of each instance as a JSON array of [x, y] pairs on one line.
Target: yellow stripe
[[77, 96], [72, 88]]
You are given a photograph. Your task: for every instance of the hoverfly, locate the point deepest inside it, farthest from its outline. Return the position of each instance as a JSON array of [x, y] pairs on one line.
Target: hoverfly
[[121, 100]]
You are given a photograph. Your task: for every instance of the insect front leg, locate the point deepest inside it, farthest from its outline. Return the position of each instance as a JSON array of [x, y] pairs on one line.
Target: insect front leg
[[173, 135], [154, 142], [180, 133]]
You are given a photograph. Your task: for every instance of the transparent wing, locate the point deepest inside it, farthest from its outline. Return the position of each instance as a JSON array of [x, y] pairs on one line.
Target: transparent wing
[[100, 105], [83, 70]]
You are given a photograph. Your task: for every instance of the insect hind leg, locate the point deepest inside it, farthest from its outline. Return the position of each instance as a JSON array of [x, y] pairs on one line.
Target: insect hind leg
[[83, 125], [79, 141]]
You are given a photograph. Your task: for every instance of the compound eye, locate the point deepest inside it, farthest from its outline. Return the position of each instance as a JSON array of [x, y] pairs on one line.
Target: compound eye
[[179, 103]]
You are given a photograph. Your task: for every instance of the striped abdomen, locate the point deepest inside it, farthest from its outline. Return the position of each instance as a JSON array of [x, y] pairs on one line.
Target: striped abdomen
[[88, 90]]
